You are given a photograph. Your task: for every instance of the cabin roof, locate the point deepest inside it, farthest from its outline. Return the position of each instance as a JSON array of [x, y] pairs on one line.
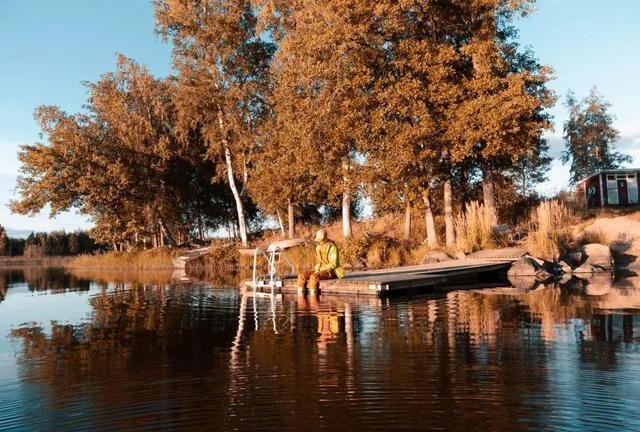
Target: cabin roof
[[610, 171]]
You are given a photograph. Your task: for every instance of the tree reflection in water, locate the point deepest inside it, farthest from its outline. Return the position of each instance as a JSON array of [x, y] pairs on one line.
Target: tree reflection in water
[[167, 355]]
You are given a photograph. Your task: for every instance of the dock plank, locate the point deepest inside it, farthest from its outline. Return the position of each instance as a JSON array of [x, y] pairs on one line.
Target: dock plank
[[386, 281]]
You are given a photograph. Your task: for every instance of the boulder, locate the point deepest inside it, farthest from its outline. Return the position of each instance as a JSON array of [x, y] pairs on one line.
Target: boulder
[[598, 285], [584, 269], [435, 256], [460, 255], [552, 268], [566, 268], [526, 283], [598, 256], [525, 266], [574, 259]]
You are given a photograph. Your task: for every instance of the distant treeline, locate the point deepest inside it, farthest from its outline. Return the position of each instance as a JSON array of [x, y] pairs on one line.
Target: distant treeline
[[56, 243]]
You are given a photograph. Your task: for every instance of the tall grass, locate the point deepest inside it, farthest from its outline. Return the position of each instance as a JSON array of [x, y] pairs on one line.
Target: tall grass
[[474, 230], [549, 232], [153, 259]]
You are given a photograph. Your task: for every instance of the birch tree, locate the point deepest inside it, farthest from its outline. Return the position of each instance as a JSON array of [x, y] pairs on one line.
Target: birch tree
[[223, 66]]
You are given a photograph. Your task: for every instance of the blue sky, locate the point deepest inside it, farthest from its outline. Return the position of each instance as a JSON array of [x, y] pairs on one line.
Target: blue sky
[[47, 48]]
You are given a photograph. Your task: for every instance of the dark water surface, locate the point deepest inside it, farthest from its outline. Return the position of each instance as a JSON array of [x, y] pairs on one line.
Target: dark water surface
[[76, 354]]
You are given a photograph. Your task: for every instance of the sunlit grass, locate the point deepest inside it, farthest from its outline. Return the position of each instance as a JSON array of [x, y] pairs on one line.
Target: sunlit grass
[[474, 230], [549, 233]]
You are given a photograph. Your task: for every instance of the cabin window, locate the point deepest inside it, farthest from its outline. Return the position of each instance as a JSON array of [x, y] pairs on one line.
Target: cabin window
[[611, 177]]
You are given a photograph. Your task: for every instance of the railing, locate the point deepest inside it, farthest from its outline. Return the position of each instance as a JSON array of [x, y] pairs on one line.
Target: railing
[[273, 255]]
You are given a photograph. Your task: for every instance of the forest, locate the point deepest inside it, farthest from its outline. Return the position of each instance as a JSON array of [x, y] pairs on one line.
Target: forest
[[41, 244], [294, 111]]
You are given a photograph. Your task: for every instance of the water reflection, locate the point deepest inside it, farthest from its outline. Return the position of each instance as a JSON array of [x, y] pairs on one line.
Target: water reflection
[[184, 356]]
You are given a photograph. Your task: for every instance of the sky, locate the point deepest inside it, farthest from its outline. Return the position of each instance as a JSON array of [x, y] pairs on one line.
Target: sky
[[48, 48]]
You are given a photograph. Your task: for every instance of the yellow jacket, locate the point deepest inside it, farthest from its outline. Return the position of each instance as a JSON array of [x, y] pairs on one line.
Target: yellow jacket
[[328, 258]]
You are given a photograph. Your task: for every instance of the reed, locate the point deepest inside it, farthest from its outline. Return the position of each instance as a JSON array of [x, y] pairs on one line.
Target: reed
[[153, 259], [474, 229], [549, 232]]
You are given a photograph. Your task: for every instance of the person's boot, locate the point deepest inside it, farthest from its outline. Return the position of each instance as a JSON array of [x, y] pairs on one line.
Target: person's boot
[[313, 286], [301, 284]]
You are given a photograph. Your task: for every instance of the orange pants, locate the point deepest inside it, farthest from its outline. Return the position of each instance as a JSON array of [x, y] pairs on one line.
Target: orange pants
[[312, 279]]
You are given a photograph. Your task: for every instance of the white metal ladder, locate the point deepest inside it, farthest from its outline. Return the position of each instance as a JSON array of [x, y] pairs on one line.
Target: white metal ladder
[[273, 255]]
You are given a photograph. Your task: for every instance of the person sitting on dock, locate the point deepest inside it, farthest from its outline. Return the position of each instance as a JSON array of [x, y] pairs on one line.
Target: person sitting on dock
[[327, 264]]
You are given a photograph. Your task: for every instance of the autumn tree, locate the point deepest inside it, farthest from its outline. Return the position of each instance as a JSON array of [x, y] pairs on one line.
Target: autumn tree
[[502, 114], [119, 162], [223, 66], [590, 137], [325, 72]]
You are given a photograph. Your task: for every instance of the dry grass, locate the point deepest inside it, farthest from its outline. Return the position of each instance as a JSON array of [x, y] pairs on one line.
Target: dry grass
[[474, 228], [153, 259], [593, 236], [144, 277], [550, 233], [416, 255]]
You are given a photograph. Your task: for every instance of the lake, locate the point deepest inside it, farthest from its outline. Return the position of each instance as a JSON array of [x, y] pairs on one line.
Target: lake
[[129, 352]]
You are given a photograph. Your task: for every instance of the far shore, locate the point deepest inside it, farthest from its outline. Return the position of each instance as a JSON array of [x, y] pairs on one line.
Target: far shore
[[22, 261]]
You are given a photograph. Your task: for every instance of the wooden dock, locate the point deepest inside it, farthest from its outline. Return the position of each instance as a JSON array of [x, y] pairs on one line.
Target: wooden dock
[[487, 268]]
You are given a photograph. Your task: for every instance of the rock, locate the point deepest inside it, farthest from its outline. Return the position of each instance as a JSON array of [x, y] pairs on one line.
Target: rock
[[525, 266], [574, 259], [598, 285], [537, 260], [565, 279], [598, 256], [552, 268], [460, 255], [435, 256], [526, 283], [566, 268], [583, 269]]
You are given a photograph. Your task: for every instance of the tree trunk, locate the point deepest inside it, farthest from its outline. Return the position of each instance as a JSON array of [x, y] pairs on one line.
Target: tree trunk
[[291, 220], [242, 224], [489, 196], [280, 223], [432, 238], [407, 221], [346, 216], [164, 232], [448, 215], [346, 199]]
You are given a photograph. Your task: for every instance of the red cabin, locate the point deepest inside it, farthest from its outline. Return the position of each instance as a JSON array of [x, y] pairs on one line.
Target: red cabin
[[611, 188]]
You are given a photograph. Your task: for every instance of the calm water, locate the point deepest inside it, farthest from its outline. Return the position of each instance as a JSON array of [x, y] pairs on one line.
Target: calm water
[[76, 354]]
